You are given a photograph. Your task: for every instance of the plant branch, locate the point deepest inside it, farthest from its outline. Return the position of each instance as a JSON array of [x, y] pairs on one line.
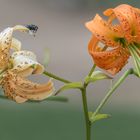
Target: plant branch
[[110, 92], [92, 70], [85, 107], [56, 77]]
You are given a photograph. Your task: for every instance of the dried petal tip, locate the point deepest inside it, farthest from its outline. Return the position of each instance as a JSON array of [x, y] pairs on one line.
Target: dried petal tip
[[32, 29]]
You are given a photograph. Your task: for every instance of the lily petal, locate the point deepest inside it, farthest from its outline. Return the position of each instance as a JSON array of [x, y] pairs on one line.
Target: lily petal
[[104, 31], [25, 63], [7, 42], [129, 18], [111, 60], [16, 44], [21, 90]]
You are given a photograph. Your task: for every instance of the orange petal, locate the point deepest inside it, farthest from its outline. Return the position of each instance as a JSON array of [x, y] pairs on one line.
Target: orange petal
[[104, 31], [111, 60], [92, 46], [129, 18], [21, 90]]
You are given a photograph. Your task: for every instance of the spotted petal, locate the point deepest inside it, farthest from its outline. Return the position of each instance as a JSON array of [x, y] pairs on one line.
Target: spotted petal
[[21, 90], [7, 42], [104, 31], [16, 44], [25, 63], [129, 18], [112, 60]]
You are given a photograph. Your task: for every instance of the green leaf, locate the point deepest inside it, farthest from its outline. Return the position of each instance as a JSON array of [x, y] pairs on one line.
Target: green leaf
[[57, 99], [97, 117], [74, 85], [97, 75], [46, 57], [90, 114], [52, 98], [135, 73]]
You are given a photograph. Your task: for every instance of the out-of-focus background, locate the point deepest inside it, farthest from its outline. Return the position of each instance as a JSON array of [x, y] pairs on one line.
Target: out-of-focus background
[[62, 31]]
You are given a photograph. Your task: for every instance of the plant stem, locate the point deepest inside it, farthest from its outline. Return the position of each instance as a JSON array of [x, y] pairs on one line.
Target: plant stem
[[92, 70], [110, 92], [85, 107], [56, 77]]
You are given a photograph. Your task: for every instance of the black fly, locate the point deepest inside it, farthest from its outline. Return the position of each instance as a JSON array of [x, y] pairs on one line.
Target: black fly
[[33, 28]]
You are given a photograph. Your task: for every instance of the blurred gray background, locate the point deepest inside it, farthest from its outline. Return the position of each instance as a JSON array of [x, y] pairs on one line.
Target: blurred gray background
[[62, 30]]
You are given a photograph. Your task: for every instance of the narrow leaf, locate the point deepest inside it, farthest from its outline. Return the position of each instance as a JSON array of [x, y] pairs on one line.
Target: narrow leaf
[[97, 117], [52, 98], [74, 85], [97, 75]]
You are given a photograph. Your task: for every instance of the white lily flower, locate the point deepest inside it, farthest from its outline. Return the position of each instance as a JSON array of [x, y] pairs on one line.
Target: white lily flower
[[24, 63]]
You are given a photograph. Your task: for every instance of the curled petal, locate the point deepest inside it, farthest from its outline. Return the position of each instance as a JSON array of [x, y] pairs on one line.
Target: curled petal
[[7, 42], [137, 9], [21, 90], [129, 18], [25, 63], [111, 60], [16, 44], [92, 46], [104, 31]]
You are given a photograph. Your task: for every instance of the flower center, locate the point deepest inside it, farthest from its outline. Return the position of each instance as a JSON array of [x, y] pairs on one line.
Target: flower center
[[122, 41]]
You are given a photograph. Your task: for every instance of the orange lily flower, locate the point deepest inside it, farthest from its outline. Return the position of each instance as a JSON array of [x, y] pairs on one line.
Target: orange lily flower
[[121, 40]]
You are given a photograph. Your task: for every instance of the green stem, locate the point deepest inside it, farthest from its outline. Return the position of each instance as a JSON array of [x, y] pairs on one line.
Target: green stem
[[105, 99], [85, 107], [136, 59], [92, 70], [56, 77]]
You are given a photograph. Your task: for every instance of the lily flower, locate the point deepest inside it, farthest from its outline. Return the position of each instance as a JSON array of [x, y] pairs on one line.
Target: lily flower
[[14, 68], [121, 40]]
